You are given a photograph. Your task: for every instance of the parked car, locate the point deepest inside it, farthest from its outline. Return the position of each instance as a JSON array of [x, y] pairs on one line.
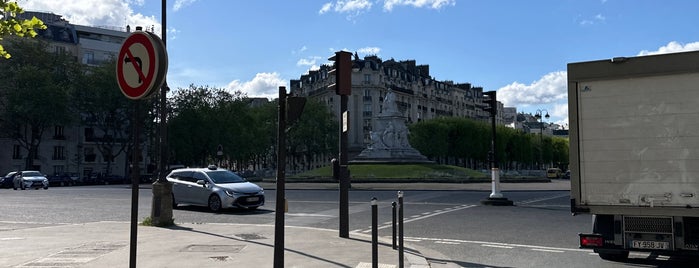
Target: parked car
[[30, 179], [214, 188], [7, 180], [553, 173], [111, 179], [60, 180]]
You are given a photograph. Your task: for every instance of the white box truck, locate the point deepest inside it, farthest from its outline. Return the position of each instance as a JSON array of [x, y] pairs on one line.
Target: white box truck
[[634, 153]]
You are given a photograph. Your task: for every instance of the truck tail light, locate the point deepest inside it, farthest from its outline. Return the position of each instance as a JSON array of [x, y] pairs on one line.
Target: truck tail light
[[591, 240]]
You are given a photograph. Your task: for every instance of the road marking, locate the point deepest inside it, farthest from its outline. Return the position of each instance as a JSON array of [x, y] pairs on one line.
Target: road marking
[[11, 238], [484, 243], [497, 246], [548, 250], [308, 215], [446, 242], [418, 217], [525, 202]]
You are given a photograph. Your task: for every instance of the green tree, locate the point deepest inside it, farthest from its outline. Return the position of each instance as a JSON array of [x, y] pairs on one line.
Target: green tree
[[106, 110], [202, 119], [11, 25], [315, 134], [34, 86]]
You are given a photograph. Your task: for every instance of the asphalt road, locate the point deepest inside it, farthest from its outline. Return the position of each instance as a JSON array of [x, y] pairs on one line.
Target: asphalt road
[[452, 227]]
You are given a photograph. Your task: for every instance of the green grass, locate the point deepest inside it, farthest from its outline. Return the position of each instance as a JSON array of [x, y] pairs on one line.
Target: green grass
[[398, 172]]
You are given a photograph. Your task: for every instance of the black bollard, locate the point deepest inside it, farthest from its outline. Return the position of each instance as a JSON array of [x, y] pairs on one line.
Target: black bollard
[[400, 229], [374, 234], [393, 225]]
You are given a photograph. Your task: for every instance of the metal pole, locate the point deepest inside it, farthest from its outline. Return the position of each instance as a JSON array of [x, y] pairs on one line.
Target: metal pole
[[374, 234], [400, 229], [495, 173], [281, 199], [344, 174], [134, 185], [393, 224]]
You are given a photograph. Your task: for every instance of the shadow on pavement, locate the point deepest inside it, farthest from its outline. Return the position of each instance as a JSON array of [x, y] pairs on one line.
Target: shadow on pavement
[[330, 262]]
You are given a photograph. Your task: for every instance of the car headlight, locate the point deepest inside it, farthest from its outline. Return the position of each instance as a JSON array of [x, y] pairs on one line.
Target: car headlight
[[230, 193]]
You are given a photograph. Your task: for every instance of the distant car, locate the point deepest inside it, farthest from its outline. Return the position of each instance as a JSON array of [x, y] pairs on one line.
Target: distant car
[[553, 173], [111, 179], [567, 175], [7, 180], [60, 180], [214, 188], [30, 179]]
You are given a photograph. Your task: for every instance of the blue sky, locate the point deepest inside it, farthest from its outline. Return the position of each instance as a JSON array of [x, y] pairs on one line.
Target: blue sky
[[519, 48]]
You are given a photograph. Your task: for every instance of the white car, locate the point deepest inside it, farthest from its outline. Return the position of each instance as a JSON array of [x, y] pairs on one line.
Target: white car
[[30, 179], [214, 188]]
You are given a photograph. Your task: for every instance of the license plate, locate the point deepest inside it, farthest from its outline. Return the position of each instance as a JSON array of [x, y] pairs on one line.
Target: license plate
[[650, 245], [253, 199]]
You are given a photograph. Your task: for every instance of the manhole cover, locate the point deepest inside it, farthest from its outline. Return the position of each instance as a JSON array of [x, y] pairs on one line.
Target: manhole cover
[[251, 236], [214, 248]]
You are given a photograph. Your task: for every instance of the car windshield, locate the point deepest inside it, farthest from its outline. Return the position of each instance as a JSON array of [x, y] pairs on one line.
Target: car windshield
[[31, 174], [224, 176]]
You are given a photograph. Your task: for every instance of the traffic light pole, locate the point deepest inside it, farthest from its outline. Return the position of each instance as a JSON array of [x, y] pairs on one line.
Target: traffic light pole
[[496, 198], [343, 86], [344, 172], [281, 177]]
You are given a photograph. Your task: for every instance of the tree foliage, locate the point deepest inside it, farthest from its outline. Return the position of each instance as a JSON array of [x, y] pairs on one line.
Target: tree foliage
[[314, 134], [101, 106], [468, 143], [11, 25], [34, 88]]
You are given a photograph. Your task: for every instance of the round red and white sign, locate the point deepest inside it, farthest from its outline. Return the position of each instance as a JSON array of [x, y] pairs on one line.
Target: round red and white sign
[[141, 65]]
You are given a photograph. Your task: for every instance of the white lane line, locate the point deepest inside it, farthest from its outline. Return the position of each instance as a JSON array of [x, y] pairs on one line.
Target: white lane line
[[542, 199], [419, 217], [308, 215], [439, 213], [446, 242], [496, 246], [547, 250], [499, 244]]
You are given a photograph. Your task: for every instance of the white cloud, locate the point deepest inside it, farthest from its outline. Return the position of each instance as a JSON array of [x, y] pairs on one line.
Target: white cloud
[[369, 50], [599, 18], [265, 85], [182, 3], [310, 61], [550, 93], [671, 47], [551, 88], [113, 13], [347, 6], [433, 4]]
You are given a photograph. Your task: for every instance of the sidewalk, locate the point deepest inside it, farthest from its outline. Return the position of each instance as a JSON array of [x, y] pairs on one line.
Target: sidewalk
[[106, 244]]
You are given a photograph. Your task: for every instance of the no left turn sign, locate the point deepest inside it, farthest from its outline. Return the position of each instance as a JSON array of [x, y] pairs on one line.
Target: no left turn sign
[[141, 65]]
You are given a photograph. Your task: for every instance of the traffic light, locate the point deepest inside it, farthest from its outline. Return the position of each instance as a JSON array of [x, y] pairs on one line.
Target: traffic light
[[342, 69], [491, 102]]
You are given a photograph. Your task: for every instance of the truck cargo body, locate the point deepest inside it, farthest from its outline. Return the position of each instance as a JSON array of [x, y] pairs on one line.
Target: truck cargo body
[[634, 153]]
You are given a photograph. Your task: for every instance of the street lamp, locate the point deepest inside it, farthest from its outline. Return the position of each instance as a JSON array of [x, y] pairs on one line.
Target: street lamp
[[539, 117]]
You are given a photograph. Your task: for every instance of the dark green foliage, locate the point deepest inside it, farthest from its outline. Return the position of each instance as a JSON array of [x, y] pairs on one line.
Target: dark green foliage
[[467, 142]]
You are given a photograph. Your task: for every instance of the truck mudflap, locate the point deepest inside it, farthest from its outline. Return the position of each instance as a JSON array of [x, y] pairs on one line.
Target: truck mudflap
[[613, 236]]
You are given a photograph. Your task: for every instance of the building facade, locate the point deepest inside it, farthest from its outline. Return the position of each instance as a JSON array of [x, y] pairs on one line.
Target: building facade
[[71, 148], [418, 95]]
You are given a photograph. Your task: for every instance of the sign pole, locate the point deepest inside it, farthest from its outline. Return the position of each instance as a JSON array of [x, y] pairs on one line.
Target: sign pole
[[135, 173]]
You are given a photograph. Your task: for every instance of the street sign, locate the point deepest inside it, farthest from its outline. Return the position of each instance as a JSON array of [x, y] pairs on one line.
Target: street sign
[[141, 65]]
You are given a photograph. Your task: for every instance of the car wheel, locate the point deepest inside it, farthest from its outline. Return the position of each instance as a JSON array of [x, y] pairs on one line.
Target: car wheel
[[46, 187], [214, 203]]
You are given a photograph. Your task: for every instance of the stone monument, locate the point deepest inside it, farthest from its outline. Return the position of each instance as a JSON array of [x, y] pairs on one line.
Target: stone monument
[[389, 138]]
